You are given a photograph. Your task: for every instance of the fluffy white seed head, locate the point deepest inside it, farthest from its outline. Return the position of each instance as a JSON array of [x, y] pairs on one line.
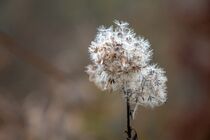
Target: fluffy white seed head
[[121, 62], [118, 50], [148, 87]]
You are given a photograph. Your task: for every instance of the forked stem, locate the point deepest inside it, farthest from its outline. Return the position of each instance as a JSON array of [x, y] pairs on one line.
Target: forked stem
[[130, 135]]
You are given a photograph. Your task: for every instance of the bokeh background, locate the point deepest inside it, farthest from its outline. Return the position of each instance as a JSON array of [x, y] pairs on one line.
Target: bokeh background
[[45, 93]]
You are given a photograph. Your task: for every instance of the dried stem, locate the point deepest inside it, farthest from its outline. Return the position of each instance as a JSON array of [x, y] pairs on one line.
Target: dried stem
[[130, 112], [129, 129]]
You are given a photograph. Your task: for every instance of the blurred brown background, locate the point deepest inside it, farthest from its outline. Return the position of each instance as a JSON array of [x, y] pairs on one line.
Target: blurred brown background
[[45, 93]]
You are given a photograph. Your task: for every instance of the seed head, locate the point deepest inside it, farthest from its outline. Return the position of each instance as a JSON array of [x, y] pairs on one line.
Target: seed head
[[121, 62]]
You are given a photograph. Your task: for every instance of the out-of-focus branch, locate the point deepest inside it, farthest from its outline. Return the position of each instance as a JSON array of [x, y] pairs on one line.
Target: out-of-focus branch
[[11, 45]]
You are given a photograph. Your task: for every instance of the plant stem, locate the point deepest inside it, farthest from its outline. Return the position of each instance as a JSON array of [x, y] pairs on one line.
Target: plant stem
[[128, 119]]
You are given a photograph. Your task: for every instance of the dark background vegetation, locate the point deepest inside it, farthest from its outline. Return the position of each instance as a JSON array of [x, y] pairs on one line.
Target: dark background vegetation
[[45, 93]]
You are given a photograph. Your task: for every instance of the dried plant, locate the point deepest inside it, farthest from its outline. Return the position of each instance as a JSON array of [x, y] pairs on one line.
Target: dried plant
[[121, 62]]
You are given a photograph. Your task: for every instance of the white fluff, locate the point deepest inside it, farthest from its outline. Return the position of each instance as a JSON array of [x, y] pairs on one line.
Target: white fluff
[[121, 62]]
